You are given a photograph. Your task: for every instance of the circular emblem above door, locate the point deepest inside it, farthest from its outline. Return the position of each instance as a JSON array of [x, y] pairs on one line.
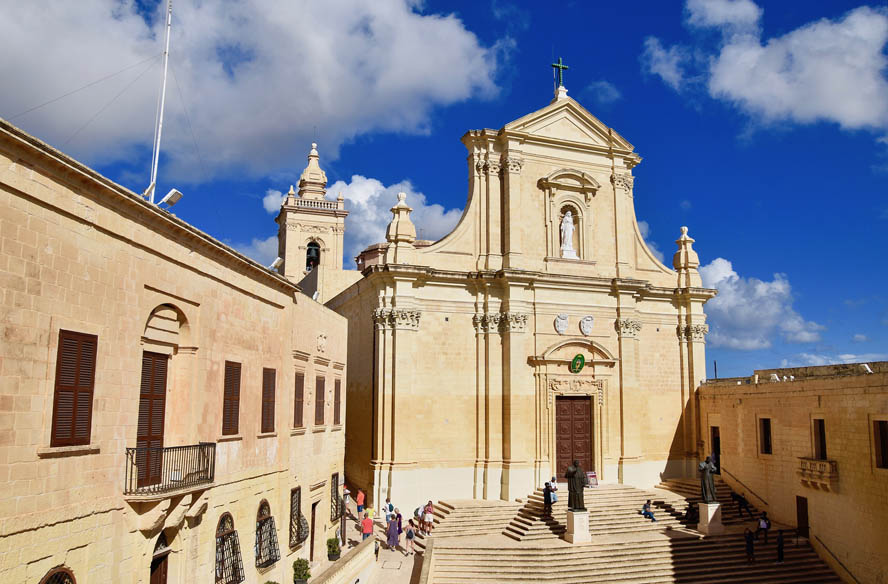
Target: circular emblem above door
[[577, 363]]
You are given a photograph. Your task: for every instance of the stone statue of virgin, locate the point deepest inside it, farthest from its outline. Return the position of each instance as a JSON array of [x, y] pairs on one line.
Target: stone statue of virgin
[[567, 231]]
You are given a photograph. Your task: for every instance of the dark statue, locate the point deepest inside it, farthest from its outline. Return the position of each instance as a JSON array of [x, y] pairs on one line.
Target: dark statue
[[576, 481], [707, 483]]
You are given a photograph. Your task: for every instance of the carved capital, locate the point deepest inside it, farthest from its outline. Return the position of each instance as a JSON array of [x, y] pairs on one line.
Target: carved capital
[[514, 322], [697, 332], [513, 163], [623, 181], [628, 327], [480, 165], [493, 166], [405, 319]]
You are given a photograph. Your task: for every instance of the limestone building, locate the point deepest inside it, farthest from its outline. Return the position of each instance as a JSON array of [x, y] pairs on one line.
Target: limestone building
[[810, 445], [540, 330], [170, 411]]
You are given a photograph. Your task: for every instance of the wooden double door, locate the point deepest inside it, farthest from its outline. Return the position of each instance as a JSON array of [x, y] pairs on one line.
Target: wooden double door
[[573, 432]]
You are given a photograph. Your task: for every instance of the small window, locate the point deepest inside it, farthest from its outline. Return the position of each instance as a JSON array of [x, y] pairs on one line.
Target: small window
[[765, 435], [74, 385], [819, 439], [231, 398], [59, 575], [298, 523], [299, 402], [880, 434], [267, 552], [337, 401], [268, 382], [319, 401], [229, 567]]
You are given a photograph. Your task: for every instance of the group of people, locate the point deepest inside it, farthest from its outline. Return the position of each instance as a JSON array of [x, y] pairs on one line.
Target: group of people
[[421, 522], [764, 526]]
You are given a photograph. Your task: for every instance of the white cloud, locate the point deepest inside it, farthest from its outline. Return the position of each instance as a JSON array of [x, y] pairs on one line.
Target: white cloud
[[827, 70], [604, 92], [258, 76], [262, 250], [738, 14], [814, 359], [859, 338], [645, 230], [273, 200], [368, 202], [668, 64], [748, 313]]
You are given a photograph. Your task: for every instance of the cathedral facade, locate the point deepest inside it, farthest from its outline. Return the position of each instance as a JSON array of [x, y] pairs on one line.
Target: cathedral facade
[[541, 330]]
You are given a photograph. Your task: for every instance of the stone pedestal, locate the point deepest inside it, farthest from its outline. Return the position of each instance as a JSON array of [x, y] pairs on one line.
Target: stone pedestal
[[578, 527], [710, 519]]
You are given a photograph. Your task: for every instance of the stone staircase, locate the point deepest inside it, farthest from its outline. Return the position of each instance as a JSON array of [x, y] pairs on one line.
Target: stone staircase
[[690, 490], [469, 517], [613, 509], [659, 559]]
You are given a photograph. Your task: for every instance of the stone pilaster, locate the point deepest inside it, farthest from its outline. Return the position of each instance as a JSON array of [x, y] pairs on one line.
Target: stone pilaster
[[624, 213], [628, 330], [512, 165]]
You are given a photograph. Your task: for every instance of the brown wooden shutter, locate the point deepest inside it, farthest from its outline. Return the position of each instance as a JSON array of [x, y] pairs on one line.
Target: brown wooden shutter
[[299, 401], [75, 381], [149, 432], [319, 401], [337, 401], [231, 398], [268, 382]]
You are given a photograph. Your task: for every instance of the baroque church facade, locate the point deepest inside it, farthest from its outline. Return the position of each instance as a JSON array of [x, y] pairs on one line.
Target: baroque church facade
[[542, 329]]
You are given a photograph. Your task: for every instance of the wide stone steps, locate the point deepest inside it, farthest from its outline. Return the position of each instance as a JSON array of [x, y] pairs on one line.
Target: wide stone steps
[[690, 490], [687, 560], [469, 517], [613, 509]]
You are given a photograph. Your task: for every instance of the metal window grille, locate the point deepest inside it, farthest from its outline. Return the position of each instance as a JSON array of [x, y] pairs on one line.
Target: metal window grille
[[335, 499], [229, 567], [267, 552], [298, 522], [58, 576]]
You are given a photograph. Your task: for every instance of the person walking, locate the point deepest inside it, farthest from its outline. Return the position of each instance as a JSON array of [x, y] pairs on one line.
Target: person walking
[[411, 535], [750, 546], [397, 517], [742, 505], [763, 526], [359, 501], [646, 511], [547, 500], [389, 509], [366, 526], [780, 546], [392, 532], [428, 516]]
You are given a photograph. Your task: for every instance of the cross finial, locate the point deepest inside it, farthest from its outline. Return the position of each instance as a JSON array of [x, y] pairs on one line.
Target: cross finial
[[560, 67]]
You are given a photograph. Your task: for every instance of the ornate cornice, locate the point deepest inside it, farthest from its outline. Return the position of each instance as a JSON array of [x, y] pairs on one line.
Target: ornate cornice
[[576, 386], [397, 318], [628, 327], [623, 181]]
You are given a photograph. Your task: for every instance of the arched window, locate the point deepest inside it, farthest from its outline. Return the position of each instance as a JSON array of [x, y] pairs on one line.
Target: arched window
[[266, 537], [59, 575], [312, 256], [160, 560], [229, 567]]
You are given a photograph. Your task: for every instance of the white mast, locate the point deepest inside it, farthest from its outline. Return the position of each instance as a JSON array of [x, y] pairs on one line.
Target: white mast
[[159, 129]]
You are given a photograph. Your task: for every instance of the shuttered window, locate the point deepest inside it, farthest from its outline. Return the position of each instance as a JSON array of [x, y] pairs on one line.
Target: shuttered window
[[231, 398], [74, 384], [267, 552], [229, 566], [299, 401], [268, 382], [337, 401], [319, 401]]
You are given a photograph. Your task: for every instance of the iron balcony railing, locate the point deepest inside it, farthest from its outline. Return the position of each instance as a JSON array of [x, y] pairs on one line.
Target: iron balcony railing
[[154, 471]]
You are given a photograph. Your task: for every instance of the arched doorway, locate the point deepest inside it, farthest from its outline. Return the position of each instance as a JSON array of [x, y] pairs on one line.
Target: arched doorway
[[160, 561]]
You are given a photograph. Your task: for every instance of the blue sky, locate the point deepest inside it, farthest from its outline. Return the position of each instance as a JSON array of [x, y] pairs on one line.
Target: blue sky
[[763, 127]]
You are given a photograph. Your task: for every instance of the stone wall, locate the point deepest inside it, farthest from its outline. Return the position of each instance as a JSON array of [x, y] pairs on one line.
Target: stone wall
[[846, 497], [80, 253]]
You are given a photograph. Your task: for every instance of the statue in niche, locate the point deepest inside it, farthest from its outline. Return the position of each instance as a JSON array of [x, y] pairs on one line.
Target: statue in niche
[[567, 231]]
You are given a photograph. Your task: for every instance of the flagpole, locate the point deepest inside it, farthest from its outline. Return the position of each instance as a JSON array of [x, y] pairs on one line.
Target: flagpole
[[155, 158]]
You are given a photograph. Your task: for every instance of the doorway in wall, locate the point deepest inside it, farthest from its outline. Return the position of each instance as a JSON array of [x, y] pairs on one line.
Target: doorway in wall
[[802, 515], [715, 440]]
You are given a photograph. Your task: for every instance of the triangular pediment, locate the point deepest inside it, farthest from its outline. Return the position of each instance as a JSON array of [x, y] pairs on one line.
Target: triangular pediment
[[565, 119]]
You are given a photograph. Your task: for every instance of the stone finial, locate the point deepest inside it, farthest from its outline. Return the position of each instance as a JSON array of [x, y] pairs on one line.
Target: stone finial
[[685, 261], [401, 228], [313, 182]]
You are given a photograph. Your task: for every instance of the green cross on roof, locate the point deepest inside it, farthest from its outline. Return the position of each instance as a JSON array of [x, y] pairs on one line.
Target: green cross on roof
[[560, 67]]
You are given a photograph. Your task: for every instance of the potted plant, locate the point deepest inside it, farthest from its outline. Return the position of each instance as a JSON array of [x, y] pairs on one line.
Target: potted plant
[[301, 573], [333, 548]]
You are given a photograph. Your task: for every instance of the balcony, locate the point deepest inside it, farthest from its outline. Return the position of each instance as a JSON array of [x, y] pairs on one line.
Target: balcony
[[819, 474], [155, 473]]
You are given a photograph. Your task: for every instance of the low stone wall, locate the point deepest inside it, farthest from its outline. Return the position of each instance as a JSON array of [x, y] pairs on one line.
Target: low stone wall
[[356, 565], [427, 574]]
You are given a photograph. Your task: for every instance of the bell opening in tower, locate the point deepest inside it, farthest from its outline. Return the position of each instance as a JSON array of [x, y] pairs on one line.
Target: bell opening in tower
[[312, 256]]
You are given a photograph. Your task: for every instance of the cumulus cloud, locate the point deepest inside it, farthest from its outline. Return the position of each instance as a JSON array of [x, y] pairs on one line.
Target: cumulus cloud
[[258, 77], [645, 230], [814, 359], [666, 63], [603, 92], [859, 338], [748, 313], [827, 70], [273, 200], [262, 250]]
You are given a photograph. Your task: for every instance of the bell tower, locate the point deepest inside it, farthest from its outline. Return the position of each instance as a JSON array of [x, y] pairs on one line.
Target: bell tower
[[310, 227]]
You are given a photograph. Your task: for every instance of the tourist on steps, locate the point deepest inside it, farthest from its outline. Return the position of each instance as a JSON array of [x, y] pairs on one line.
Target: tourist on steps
[[764, 526], [391, 531], [428, 515], [547, 500], [411, 534], [554, 485], [742, 504], [750, 546], [646, 511]]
